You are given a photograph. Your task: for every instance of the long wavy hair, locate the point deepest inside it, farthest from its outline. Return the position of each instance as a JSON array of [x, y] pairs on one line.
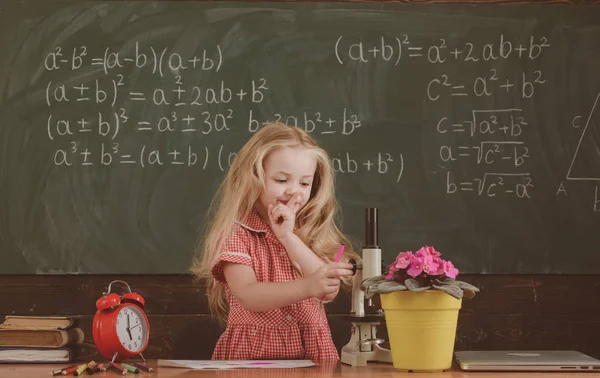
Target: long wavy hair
[[239, 191]]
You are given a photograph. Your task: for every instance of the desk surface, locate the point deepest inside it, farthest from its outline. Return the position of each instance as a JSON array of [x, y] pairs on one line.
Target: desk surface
[[375, 370]]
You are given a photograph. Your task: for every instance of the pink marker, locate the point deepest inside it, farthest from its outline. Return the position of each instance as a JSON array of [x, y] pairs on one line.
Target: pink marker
[[339, 254], [337, 259]]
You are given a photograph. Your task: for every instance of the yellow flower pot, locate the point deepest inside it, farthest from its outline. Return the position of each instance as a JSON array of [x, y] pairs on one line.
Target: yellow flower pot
[[421, 329]]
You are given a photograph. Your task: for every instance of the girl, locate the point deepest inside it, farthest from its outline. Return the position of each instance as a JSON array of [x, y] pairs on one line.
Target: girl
[[268, 250]]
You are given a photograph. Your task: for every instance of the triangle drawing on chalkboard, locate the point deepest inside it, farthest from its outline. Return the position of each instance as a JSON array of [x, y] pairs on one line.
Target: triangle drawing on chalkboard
[[585, 165]]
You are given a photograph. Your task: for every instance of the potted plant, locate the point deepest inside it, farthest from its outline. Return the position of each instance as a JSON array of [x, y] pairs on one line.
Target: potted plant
[[421, 298]]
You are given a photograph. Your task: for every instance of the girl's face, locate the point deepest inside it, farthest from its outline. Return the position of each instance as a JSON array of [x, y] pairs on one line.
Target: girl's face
[[287, 171]]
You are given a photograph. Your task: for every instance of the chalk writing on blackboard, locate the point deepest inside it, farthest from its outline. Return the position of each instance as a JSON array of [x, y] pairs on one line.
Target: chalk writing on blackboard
[[114, 90], [469, 126], [594, 112], [396, 48], [504, 145], [182, 97]]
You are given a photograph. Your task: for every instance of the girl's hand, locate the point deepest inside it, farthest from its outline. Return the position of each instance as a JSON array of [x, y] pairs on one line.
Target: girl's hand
[[325, 280], [283, 217]]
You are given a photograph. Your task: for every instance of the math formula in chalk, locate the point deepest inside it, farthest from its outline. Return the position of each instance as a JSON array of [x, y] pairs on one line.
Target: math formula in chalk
[[485, 86], [175, 93], [220, 156], [125, 116], [445, 53], [158, 61], [396, 49], [492, 139], [120, 118]]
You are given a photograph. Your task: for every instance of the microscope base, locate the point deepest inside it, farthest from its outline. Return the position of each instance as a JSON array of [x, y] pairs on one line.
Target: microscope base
[[364, 346]]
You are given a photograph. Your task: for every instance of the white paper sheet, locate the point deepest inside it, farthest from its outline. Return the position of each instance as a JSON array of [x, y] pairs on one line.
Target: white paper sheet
[[236, 364]]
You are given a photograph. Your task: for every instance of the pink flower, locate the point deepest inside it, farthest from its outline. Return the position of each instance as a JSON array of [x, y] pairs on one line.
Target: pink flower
[[391, 270], [403, 260], [425, 262], [416, 266], [450, 270], [440, 267], [430, 266], [428, 251]]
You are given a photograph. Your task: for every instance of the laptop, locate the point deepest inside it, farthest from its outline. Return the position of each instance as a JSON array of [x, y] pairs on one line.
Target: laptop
[[526, 360]]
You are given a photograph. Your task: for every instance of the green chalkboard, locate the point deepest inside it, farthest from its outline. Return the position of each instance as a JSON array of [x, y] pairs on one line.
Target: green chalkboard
[[473, 128]]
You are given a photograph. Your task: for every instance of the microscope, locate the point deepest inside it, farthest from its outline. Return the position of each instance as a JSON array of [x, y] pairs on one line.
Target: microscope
[[364, 345]]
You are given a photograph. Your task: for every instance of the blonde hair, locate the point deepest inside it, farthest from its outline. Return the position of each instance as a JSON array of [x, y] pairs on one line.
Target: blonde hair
[[241, 188]]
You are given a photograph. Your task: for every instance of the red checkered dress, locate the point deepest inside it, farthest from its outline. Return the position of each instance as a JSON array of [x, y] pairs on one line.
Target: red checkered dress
[[297, 331]]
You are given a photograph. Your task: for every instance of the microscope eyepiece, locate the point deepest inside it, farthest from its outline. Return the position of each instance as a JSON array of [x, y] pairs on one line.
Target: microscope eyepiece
[[371, 228], [355, 266]]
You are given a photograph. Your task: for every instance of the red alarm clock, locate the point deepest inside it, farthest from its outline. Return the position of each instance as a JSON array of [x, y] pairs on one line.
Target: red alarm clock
[[120, 327]]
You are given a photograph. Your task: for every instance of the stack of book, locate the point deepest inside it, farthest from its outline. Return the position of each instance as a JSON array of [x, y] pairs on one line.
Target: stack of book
[[40, 339]]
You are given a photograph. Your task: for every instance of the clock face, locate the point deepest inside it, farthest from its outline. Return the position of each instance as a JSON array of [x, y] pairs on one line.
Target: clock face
[[132, 329]]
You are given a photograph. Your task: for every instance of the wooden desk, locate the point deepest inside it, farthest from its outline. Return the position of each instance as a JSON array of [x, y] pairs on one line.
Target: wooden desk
[[323, 370]]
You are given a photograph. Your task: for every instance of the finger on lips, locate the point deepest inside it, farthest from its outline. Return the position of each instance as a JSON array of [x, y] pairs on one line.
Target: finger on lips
[[298, 202]]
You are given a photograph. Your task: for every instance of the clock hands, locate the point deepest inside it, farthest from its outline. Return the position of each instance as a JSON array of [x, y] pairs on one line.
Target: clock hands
[[137, 325], [129, 327]]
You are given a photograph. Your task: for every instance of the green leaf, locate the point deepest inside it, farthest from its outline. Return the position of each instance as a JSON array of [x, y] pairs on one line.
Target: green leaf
[[416, 285], [444, 279], [467, 286], [390, 286], [452, 290], [419, 289], [413, 284], [379, 285], [372, 281], [439, 282], [468, 294]]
